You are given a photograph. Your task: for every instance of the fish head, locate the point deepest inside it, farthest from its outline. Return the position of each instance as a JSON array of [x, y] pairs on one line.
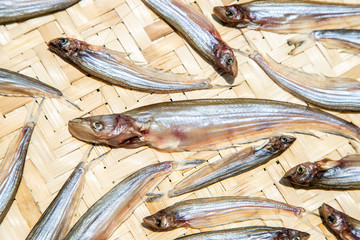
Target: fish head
[[277, 145], [302, 174], [232, 15], [66, 47], [114, 130], [291, 234], [334, 219], [161, 221], [226, 60]]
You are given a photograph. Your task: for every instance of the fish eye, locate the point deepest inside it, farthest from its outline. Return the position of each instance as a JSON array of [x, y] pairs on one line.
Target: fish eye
[[300, 169], [97, 126], [230, 60], [296, 238], [63, 41], [229, 14], [285, 140], [331, 218]]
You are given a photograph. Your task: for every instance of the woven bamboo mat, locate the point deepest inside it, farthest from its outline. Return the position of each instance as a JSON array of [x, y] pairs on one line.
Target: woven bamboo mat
[[130, 26]]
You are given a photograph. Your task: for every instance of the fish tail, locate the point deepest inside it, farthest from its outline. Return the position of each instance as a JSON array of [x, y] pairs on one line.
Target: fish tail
[[189, 163], [31, 120], [226, 86], [157, 196], [94, 161], [300, 43], [68, 102]]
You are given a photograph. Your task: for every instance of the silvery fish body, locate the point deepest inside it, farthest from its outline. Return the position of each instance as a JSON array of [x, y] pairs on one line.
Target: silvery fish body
[[55, 222], [19, 10], [339, 94], [284, 16], [249, 233], [198, 31], [204, 124], [110, 211], [233, 165], [208, 212], [327, 174]]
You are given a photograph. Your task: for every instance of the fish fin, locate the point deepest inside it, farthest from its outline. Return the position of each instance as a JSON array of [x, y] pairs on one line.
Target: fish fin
[[300, 43], [309, 133], [96, 160], [31, 119], [262, 145], [68, 102], [156, 196], [226, 86], [302, 217], [189, 163]]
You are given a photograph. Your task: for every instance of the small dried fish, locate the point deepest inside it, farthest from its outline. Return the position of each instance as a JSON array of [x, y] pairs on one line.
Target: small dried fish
[[12, 167], [233, 165], [55, 222], [346, 227], [327, 174], [249, 233], [13, 84], [203, 124], [198, 31], [109, 212], [284, 16], [339, 94], [112, 67], [19, 10], [208, 212], [346, 39]]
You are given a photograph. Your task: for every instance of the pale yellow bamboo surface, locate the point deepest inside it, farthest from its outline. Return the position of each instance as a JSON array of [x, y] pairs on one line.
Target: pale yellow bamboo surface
[[129, 26]]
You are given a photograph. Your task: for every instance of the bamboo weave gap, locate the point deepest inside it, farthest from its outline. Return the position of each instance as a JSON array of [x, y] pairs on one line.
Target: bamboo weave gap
[[129, 26]]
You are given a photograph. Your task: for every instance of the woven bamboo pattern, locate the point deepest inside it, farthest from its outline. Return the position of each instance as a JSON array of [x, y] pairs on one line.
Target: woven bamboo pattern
[[129, 26]]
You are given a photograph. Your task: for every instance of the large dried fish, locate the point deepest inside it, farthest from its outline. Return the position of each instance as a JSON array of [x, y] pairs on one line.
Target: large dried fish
[[346, 227], [327, 174], [205, 124], [233, 165], [13, 84], [101, 219], [55, 222], [284, 16], [208, 212], [19, 10], [198, 31], [249, 233], [346, 39], [339, 94], [114, 68], [12, 167]]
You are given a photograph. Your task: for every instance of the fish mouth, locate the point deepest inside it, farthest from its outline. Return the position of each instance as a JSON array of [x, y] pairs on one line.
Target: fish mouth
[[325, 210], [219, 12], [80, 129]]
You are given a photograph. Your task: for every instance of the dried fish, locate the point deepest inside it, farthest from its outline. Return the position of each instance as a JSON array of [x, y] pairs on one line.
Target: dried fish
[[339, 94], [208, 212], [204, 124], [233, 165], [12, 167], [114, 68], [327, 174], [55, 222], [346, 227], [19, 10], [283, 16], [249, 233], [198, 31], [346, 39], [13, 84], [109, 212]]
